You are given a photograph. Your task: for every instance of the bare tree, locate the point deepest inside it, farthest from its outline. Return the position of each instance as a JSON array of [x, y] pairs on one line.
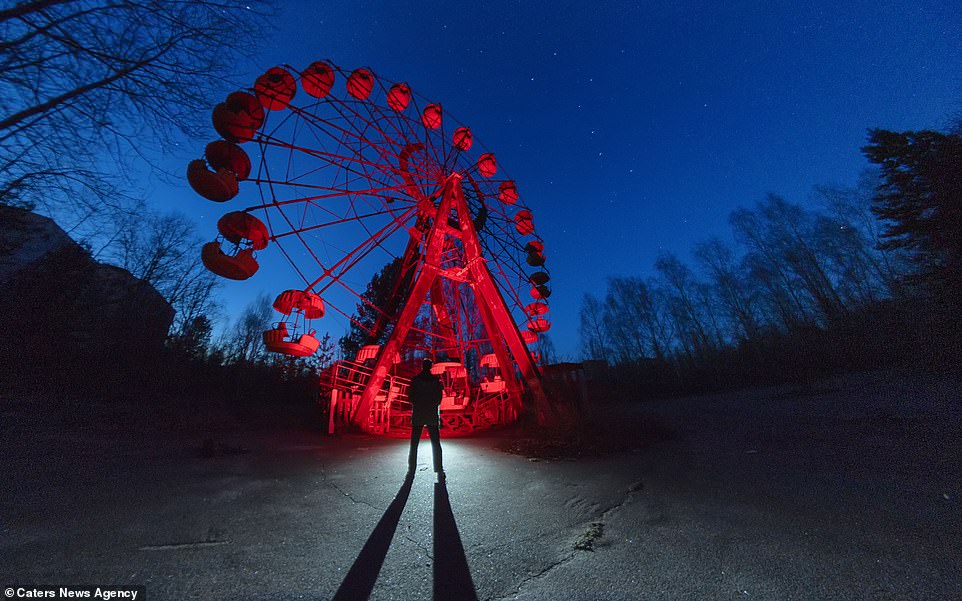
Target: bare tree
[[635, 320], [775, 260], [243, 341], [730, 287], [86, 85], [790, 229], [163, 250], [851, 208], [547, 354], [695, 326], [595, 343]]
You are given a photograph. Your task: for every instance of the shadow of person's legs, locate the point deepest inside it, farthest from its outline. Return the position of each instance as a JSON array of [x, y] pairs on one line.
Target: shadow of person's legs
[[360, 579], [452, 577]]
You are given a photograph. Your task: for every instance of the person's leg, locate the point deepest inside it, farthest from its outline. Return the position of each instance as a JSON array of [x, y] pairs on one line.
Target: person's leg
[[415, 439], [435, 447]]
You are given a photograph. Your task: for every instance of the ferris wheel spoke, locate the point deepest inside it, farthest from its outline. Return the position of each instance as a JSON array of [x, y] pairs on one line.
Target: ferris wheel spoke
[[330, 224], [328, 126], [290, 225], [332, 192], [507, 260], [354, 256], [333, 159], [427, 139], [381, 145]]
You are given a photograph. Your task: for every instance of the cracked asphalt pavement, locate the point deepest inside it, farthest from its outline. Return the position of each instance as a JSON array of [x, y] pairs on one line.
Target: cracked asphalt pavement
[[819, 493]]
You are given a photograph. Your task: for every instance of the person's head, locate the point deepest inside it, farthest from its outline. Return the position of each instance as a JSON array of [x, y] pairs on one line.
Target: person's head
[[426, 365]]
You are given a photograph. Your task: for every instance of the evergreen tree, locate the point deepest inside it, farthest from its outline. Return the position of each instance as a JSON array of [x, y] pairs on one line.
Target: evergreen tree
[[381, 302], [920, 200]]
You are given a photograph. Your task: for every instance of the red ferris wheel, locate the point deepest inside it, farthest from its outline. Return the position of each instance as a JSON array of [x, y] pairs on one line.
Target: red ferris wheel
[[343, 172]]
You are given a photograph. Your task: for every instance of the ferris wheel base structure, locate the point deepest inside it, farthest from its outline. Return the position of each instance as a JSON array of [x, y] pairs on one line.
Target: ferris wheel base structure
[[495, 402]]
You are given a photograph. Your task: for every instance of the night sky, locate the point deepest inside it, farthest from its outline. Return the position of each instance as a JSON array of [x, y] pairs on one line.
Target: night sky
[[632, 128]]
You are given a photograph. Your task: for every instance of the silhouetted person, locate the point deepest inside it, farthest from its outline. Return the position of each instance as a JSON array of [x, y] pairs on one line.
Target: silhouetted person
[[425, 397]]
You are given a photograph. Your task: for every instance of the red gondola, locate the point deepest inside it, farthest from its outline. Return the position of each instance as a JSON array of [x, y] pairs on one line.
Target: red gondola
[[539, 325], [431, 116], [399, 97], [462, 138], [536, 308], [508, 192], [295, 304], [240, 227], [298, 301], [540, 292], [219, 186], [279, 340], [529, 337], [534, 246], [524, 222], [535, 250], [539, 278], [238, 118], [360, 83], [275, 89], [221, 154], [247, 234], [535, 259], [487, 164], [240, 266], [317, 79]]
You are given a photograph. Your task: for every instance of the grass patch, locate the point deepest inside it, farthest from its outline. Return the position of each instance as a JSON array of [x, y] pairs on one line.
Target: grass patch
[[586, 541]]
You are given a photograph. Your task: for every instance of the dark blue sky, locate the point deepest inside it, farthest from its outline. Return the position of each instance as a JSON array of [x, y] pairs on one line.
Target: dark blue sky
[[633, 128]]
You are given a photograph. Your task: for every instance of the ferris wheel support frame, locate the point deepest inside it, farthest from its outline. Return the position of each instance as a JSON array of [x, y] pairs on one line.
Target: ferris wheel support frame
[[502, 331]]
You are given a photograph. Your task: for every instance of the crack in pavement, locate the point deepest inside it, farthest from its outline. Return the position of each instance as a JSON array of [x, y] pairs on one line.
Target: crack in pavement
[[193, 545], [632, 489], [541, 574], [419, 546], [347, 494]]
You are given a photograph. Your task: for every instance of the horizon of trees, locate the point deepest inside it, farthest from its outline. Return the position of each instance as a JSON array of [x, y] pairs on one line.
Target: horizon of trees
[[796, 271], [792, 269]]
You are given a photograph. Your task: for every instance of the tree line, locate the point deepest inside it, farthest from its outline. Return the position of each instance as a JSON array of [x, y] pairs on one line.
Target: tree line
[[862, 276]]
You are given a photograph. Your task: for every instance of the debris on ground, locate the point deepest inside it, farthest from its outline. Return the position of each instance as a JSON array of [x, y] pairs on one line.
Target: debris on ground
[[586, 541]]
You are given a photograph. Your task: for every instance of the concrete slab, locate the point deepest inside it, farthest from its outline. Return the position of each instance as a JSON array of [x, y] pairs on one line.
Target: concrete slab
[[770, 494]]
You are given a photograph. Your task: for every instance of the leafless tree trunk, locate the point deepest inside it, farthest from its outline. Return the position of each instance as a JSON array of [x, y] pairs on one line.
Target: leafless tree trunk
[[635, 321], [595, 342], [688, 305], [730, 287], [243, 342], [89, 86], [851, 208]]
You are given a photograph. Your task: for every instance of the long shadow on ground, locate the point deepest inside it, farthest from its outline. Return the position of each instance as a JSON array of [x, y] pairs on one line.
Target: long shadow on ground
[[360, 579], [452, 577]]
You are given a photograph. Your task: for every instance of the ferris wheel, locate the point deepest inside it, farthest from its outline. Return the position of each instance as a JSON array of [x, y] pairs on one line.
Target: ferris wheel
[[342, 172]]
